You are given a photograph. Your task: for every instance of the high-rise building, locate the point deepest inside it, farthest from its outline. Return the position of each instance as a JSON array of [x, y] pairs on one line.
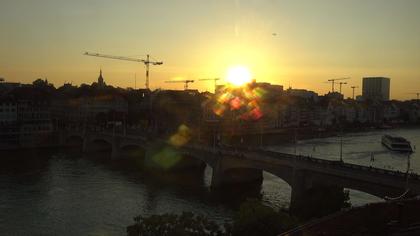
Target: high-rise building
[[376, 88]]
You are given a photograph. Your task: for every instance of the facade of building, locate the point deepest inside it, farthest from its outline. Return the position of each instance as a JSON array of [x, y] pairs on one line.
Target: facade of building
[[35, 124], [8, 123], [8, 112], [376, 88], [303, 93]]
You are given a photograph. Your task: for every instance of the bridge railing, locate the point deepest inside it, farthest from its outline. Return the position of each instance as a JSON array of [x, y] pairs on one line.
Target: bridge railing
[[359, 167], [241, 151]]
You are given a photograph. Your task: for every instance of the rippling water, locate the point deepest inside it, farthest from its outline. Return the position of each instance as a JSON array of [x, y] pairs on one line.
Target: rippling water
[[55, 194], [64, 195]]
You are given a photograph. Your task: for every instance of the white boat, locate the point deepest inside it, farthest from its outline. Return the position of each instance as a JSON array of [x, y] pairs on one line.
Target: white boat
[[398, 144]]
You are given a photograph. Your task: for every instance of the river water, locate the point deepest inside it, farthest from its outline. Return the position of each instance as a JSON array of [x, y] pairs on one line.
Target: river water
[[51, 193]]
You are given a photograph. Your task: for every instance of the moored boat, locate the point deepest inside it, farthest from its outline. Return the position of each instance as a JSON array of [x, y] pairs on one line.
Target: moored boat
[[395, 143]]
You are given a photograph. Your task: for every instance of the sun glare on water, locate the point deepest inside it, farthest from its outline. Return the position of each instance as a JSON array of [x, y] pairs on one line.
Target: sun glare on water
[[238, 75]]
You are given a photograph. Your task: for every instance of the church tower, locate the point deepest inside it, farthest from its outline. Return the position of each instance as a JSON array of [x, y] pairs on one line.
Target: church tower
[[101, 82]]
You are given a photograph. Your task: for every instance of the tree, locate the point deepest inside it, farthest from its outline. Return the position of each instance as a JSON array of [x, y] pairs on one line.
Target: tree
[[39, 83], [254, 218]]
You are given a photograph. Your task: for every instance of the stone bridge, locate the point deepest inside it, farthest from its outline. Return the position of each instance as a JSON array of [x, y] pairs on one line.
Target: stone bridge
[[114, 142], [234, 166], [302, 173]]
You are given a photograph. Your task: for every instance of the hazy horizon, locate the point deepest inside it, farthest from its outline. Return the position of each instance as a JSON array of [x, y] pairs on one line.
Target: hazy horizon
[[296, 43]]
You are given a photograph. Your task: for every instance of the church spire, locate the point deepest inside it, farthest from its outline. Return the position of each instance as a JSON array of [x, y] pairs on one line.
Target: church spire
[[101, 79]]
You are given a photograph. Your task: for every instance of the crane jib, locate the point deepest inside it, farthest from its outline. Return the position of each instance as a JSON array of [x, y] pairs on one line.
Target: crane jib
[[146, 62]]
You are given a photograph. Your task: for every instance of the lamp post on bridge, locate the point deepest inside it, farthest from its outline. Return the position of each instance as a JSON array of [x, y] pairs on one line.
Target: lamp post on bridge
[[341, 140], [261, 134], [341, 146], [408, 172], [295, 140]]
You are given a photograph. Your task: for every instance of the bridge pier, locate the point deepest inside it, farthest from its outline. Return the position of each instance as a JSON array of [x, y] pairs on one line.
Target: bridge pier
[[312, 197], [224, 175], [298, 189]]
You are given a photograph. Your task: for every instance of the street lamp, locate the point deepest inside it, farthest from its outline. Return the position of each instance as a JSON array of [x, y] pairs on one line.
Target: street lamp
[[341, 146], [408, 171], [261, 134], [295, 140]]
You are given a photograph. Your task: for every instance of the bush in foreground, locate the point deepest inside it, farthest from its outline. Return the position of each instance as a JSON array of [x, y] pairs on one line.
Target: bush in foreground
[[253, 218], [186, 224]]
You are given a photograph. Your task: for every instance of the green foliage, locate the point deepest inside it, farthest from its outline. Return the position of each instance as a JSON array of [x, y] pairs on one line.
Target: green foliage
[[186, 224], [255, 218]]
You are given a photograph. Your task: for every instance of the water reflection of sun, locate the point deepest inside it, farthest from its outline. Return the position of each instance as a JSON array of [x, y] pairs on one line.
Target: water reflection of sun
[[238, 76]]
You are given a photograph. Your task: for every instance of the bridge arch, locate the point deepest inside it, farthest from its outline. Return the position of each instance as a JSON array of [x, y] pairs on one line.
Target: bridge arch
[[235, 170], [376, 189], [284, 173], [304, 174], [358, 197]]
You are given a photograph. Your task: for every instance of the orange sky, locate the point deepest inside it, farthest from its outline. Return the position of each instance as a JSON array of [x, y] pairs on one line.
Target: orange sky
[[313, 41]]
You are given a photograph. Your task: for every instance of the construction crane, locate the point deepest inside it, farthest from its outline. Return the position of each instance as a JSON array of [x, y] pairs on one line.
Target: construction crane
[[333, 82], [147, 62], [215, 82], [186, 82], [353, 88], [418, 94], [341, 83]]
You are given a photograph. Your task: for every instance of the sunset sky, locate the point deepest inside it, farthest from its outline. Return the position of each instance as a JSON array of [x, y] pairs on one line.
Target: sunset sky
[[296, 43]]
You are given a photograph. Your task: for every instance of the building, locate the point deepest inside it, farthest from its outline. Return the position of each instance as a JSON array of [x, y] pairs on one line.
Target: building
[[35, 124], [8, 86], [8, 111], [303, 93], [25, 120], [376, 88], [8, 123], [271, 88], [334, 96]]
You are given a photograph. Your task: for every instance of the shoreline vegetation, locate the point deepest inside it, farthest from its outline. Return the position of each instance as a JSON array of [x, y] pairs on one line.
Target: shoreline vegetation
[[253, 218]]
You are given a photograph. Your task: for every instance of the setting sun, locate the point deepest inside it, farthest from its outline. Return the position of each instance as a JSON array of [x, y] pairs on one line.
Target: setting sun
[[238, 75]]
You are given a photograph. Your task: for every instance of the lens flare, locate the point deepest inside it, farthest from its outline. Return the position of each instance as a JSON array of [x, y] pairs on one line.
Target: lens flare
[[240, 103], [181, 137]]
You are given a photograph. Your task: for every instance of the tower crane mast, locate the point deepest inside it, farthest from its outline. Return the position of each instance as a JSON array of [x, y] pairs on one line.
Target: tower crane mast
[[418, 95], [147, 62], [341, 83], [333, 82], [353, 88]]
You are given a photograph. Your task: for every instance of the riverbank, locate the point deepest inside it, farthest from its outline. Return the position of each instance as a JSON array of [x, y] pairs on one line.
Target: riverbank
[[290, 135]]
